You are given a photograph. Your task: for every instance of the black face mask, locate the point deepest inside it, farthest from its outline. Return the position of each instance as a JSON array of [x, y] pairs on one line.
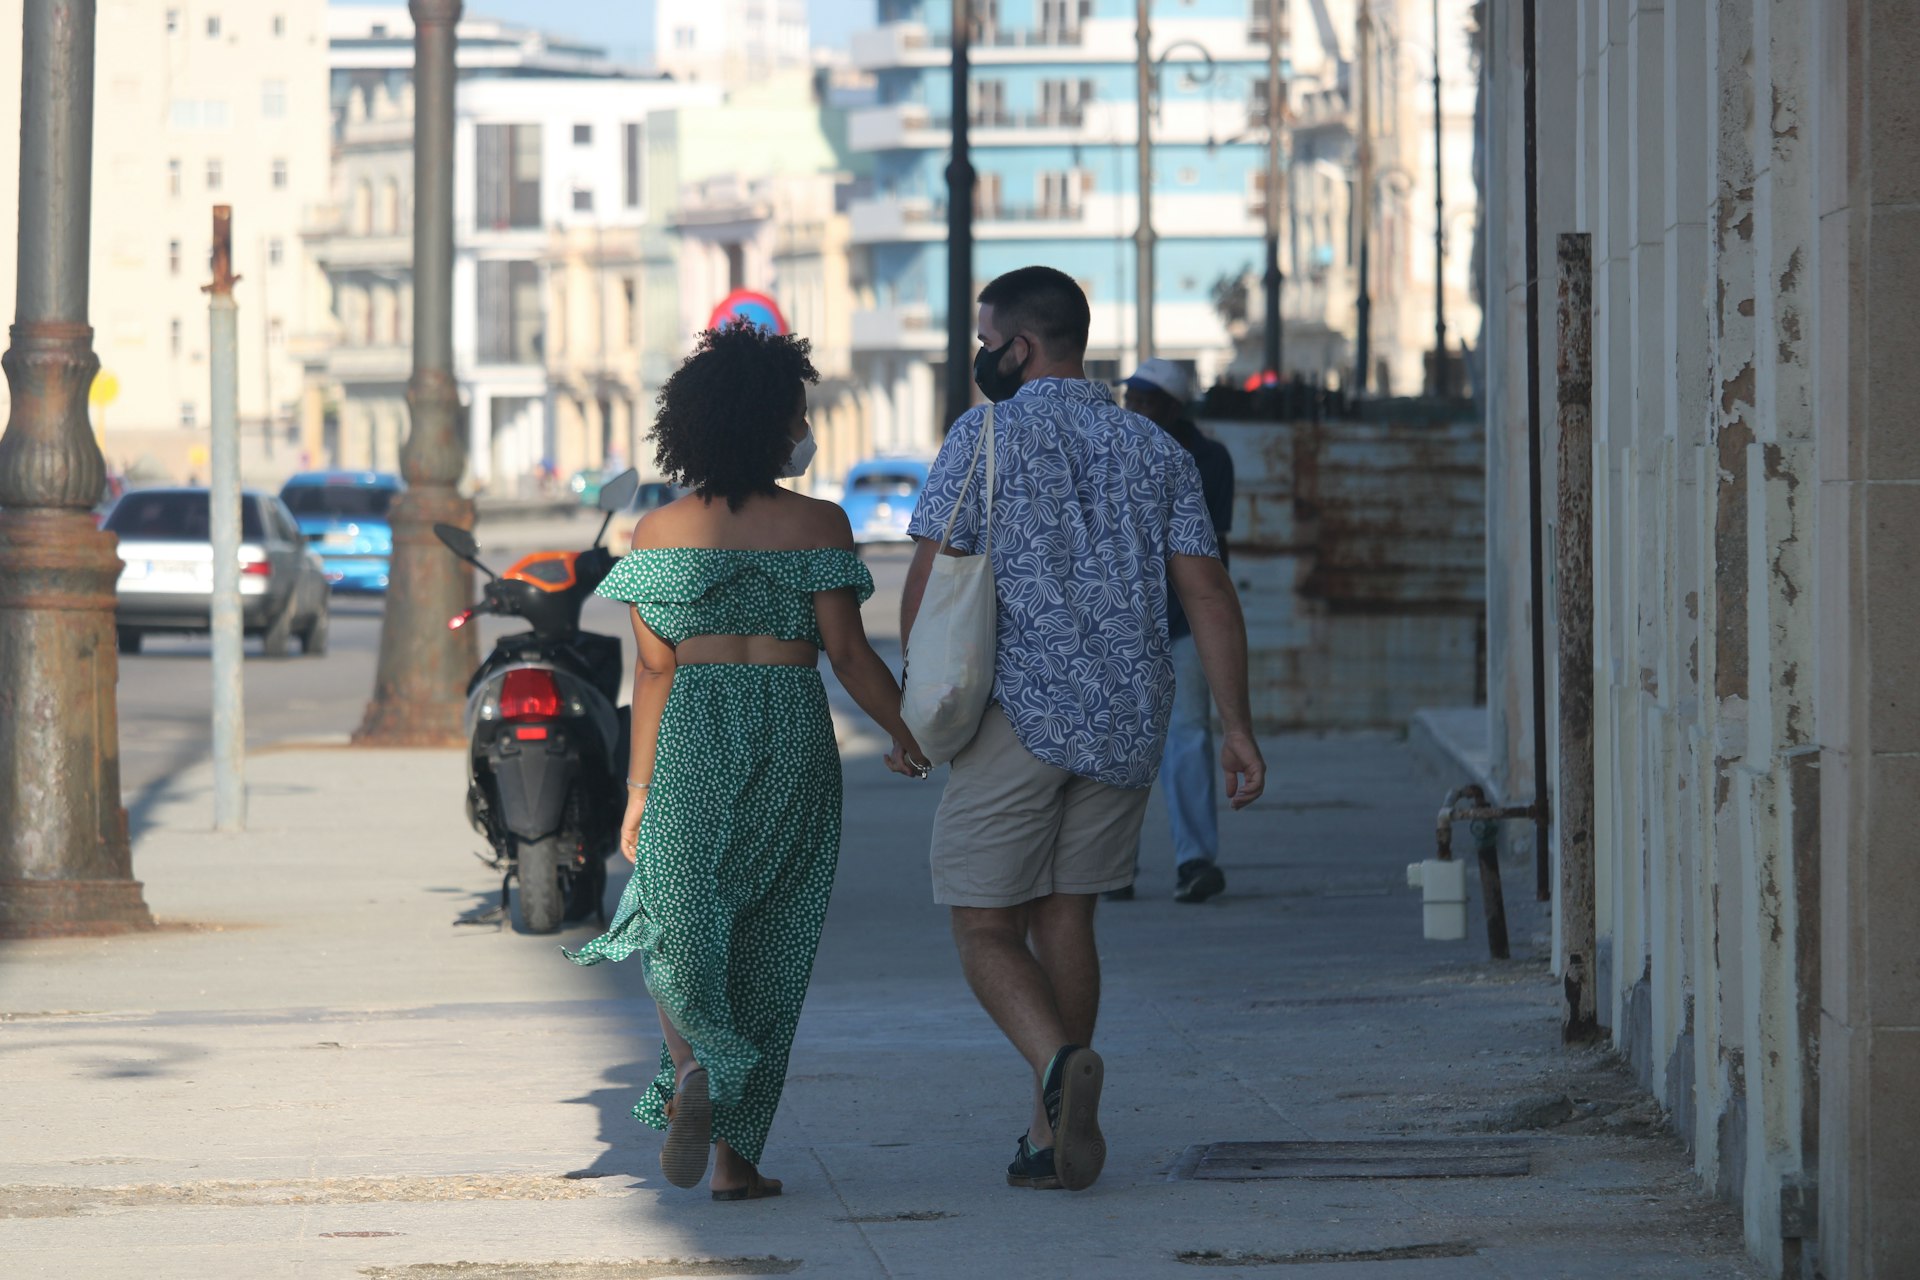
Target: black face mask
[[994, 384]]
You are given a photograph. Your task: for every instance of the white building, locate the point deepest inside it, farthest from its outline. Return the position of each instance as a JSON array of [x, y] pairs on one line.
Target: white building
[[729, 42], [196, 104]]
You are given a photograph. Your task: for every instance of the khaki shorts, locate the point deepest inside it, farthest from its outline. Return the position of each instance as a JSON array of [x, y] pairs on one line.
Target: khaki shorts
[[1011, 828]]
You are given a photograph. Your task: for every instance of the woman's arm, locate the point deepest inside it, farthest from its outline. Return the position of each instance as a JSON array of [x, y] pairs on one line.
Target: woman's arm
[[860, 669], [652, 681]]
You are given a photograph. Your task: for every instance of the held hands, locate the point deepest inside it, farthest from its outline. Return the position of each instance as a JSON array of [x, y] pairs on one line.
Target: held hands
[[1245, 768], [907, 760]]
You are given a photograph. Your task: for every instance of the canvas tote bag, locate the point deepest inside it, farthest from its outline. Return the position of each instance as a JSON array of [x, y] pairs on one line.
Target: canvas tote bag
[[951, 651]]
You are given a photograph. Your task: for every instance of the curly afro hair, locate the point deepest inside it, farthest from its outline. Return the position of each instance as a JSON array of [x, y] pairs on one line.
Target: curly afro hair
[[725, 412]]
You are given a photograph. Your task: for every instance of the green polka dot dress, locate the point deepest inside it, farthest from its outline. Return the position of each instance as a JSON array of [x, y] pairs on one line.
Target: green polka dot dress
[[742, 827]]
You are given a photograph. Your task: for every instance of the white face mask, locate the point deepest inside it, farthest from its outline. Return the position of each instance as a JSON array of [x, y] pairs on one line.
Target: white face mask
[[801, 458]]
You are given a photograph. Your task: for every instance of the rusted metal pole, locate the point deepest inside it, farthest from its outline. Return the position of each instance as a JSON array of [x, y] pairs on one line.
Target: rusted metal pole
[[1276, 185], [65, 863], [417, 695], [1363, 196], [1573, 564], [224, 524]]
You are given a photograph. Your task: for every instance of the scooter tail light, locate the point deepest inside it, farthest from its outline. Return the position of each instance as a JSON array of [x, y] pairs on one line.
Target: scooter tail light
[[529, 694]]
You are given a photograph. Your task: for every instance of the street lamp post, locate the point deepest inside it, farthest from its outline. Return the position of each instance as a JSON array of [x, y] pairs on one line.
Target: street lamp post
[[960, 182], [65, 863], [417, 695], [1441, 381], [1143, 232], [1276, 181], [1363, 198]]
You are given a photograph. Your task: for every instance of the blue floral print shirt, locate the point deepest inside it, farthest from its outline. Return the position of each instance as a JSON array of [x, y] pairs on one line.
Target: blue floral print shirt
[[1089, 503]]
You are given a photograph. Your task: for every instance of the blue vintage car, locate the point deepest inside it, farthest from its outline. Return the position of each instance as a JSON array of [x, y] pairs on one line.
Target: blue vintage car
[[880, 496], [343, 514]]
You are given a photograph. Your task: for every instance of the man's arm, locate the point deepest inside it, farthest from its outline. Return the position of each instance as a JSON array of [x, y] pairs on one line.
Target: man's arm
[[1220, 634]]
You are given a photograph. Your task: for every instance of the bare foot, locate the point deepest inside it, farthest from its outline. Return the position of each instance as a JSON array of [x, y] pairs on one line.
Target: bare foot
[[731, 1171]]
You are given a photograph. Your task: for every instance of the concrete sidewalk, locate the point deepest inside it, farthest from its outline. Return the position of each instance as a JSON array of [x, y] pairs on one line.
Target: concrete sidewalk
[[317, 1070]]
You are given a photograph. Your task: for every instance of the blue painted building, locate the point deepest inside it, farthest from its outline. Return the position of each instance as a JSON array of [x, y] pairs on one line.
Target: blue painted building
[[1054, 136]]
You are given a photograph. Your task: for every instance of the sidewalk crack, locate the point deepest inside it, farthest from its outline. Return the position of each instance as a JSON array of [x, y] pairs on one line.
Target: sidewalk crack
[[847, 1209]]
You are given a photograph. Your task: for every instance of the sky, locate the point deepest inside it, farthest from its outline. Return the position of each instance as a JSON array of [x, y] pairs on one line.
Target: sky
[[625, 27]]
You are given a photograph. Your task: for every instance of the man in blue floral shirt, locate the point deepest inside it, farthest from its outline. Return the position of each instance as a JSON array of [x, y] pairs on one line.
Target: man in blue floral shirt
[[1096, 512]]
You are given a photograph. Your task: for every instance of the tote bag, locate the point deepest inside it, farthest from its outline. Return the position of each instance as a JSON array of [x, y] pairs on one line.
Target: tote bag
[[951, 651]]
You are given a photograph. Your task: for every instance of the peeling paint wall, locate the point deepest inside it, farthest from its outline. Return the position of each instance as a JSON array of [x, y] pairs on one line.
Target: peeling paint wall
[[1749, 173]]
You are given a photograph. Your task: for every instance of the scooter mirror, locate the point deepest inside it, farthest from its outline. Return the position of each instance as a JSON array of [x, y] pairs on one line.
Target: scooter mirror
[[459, 541], [617, 493]]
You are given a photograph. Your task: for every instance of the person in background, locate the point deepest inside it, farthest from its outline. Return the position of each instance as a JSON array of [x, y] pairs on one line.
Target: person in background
[[1160, 391]]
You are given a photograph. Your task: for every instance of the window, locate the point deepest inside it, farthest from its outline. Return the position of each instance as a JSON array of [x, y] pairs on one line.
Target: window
[[1060, 192], [989, 99], [189, 415], [629, 294], [173, 257], [507, 175], [169, 515], [583, 135], [631, 158], [273, 99], [364, 501], [193, 115], [509, 306], [213, 26], [986, 197], [173, 177], [276, 252], [279, 24], [213, 175], [279, 175], [1257, 28], [1064, 102], [582, 200], [683, 37], [276, 332], [174, 335], [173, 22], [736, 266]]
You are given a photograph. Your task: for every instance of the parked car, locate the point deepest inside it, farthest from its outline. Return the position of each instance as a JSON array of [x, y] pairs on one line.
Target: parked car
[[344, 515], [584, 484], [110, 492], [880, 496], [655, 494], [167, 582]]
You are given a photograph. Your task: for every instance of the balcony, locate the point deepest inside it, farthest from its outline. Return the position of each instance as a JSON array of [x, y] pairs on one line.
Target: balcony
[[914, 44], [909, 326], [364, 253], [388, 363]]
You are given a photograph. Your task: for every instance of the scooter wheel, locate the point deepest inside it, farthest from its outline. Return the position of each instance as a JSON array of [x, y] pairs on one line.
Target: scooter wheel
[[539, 902]]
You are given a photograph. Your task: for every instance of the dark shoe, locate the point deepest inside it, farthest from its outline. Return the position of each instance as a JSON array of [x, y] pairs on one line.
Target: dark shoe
[[1071, 1095], [1199, 881], [1122, 894], [1032, 1169], [757, 1188], [683, 1157]]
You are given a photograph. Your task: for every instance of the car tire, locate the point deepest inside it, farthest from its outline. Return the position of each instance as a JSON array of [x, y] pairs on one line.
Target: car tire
[[313, 638], [127, 639], [277, 640]]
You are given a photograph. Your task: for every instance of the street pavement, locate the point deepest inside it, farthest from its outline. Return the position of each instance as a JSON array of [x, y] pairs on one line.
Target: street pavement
[[322, 1066]]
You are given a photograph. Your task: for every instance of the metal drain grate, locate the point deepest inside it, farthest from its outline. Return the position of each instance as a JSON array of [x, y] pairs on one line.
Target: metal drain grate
[[1367, 1158]]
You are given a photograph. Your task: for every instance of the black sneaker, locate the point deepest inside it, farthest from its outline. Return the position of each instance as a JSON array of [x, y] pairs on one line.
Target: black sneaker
[[1032, 1169], [1071, 1095], [1123, 894], [1199, 881]]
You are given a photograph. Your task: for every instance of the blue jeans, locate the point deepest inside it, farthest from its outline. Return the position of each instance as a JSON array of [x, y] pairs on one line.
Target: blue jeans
[[1188, 768]]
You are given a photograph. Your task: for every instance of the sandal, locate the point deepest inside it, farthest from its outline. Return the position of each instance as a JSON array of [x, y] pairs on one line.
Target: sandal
[[689, 1142], [757, 1188]]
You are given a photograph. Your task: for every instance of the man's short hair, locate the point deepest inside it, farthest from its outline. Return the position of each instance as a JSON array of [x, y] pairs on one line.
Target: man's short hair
[[1043, 302]]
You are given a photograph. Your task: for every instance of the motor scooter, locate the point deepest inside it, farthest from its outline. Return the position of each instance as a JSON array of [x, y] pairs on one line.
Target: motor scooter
[[547, 738]]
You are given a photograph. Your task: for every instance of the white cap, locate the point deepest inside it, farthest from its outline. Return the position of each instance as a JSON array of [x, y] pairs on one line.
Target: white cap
[[1164, 376]]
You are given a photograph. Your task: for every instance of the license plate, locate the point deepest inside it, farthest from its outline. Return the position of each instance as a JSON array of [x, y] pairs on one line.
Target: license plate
[[189, 568]]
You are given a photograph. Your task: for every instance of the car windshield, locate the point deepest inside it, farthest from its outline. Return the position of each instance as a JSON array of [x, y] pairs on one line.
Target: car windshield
[[886, 484], [353, 501], [175, 517]]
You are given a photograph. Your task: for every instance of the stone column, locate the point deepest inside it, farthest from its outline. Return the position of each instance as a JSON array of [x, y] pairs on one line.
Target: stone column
[[417, 695], [65, 863]]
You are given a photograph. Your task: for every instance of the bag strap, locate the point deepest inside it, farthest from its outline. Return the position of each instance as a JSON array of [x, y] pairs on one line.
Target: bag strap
[[984, 442]]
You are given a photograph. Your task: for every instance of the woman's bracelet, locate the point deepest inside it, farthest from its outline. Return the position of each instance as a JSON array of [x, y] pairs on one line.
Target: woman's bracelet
[[638, 786]]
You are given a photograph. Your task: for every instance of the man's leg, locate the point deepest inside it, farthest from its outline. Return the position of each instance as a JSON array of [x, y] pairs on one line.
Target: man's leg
[[1187, 778], [1061, 929]]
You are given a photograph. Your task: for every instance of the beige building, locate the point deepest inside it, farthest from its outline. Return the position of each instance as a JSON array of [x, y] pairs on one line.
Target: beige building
[[593, 349], [1320, 249], [1744, 173], [196, 103]]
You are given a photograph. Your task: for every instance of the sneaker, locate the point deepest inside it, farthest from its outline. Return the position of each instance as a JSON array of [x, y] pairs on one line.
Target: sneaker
[[1123, 894], [1032, 1169], [1071, 1095], [1199, 881]]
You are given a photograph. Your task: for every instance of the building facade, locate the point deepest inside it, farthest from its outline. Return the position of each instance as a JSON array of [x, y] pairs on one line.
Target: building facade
[[551, 193], [1743, 175], [733, 43], [196, 105]]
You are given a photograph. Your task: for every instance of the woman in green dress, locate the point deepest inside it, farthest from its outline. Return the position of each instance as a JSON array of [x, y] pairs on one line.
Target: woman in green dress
[[733, 813]]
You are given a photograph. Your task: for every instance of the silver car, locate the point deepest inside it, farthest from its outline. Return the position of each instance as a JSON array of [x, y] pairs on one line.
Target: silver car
[[167, 584]]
